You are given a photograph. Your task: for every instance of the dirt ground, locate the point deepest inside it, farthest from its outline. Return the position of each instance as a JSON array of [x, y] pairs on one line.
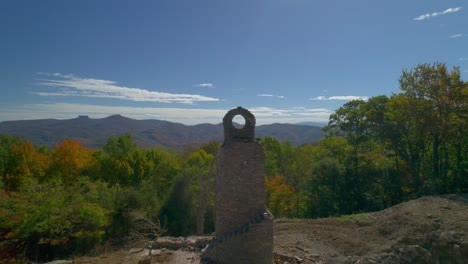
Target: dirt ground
[[426, 230], [432, 229]]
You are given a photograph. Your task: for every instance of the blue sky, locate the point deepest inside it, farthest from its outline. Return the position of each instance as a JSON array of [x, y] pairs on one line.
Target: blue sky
[[190, 61]]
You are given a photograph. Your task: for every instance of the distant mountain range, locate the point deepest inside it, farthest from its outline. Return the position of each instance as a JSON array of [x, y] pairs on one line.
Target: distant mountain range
[[93, 133], [317, 124]]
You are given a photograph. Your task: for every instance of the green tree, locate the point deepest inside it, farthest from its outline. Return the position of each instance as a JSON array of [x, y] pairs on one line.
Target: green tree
[[328, 192], [272, 155], [6, 144], [177, 214], [458, 138], [407, 144], [201, 167], [434, 96], [54, 218], [349, 121], [211, 147], [374, 112], [125, 164], [167, 165], [119, 147]]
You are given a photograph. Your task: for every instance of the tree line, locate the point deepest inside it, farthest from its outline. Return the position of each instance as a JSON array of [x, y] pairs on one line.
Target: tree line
[[67, 199], [377, 153]]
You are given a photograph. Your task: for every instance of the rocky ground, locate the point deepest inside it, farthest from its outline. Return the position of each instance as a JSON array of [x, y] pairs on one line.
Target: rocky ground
[[431, 229]]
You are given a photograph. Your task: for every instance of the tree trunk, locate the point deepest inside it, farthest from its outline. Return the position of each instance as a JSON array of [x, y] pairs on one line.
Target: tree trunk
[[435, 163], [201, 211]]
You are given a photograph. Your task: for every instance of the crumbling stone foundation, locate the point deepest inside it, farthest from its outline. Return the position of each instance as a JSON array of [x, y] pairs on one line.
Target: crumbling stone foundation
[[244, 227]]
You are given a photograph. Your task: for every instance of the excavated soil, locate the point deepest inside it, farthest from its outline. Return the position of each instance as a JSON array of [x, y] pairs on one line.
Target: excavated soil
[[426, 230], [431, 229]]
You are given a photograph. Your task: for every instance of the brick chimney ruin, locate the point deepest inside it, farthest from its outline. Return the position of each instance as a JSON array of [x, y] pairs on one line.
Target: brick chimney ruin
[[243, 225]]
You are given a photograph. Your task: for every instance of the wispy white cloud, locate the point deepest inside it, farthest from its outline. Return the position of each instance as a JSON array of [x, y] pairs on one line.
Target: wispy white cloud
[[293, 115], [456, 36], [430, 15], [340, 98], [319, 98], [70, 85], [271, 95], [348, 98], [264, 115], [465, 71], [207, 85], [462, 59], [267, 112]]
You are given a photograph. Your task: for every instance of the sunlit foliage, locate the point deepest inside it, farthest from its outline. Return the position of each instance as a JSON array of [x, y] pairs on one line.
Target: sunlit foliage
[[377, 153]]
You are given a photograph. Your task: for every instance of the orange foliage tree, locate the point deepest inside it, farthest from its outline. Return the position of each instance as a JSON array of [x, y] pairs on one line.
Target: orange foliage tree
[[23, 164], [280, 197], [69, 160]]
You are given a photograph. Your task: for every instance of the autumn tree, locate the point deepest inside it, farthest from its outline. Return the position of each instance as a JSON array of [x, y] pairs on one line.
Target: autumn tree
[[69, 160], [280, 197], [21, 163], [286, 160]]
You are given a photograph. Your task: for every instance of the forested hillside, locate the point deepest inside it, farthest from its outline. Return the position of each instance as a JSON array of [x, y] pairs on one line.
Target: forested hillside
[[93, 133], [67, 199]]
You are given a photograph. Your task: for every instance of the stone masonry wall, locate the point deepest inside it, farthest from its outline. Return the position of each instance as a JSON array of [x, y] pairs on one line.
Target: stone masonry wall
[[244, 228], [240, 186]]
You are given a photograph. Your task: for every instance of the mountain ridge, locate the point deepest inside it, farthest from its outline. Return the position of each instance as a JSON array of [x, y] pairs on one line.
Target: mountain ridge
[[148, 133]]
